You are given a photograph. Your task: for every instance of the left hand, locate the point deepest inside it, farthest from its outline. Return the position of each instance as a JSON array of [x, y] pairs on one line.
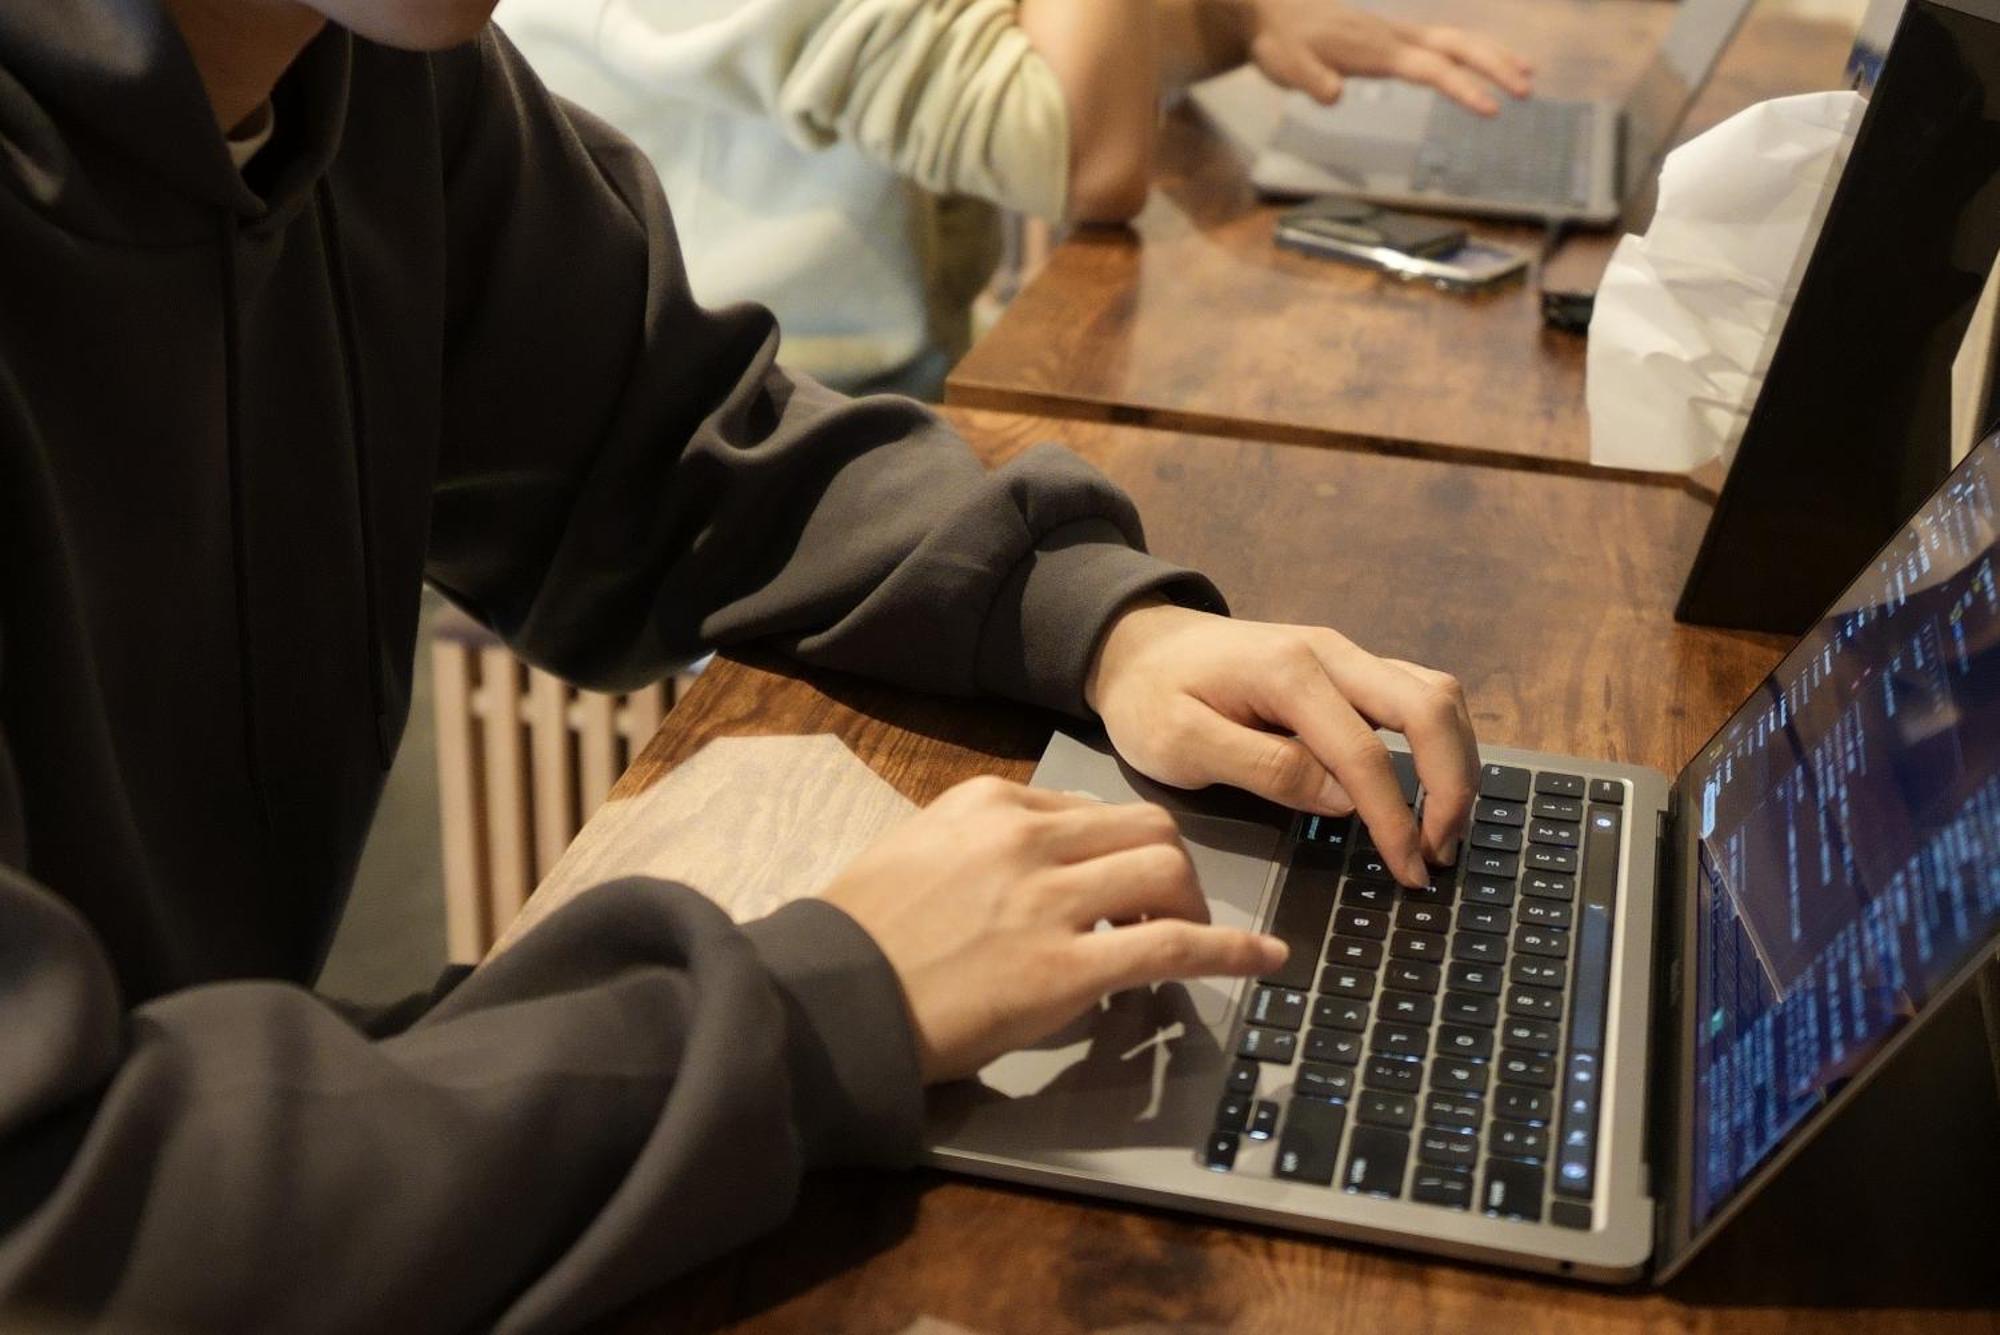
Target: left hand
[[1315, 45], [1288, 712]]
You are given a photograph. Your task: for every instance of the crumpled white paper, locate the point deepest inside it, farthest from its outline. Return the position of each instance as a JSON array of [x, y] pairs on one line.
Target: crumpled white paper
[[1687, 315]]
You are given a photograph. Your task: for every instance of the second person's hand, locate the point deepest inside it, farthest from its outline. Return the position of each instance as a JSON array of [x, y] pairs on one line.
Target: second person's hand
[[1315, 45]]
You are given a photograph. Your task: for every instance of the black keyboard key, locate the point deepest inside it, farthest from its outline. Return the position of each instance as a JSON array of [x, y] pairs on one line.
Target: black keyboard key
[[1369, 866], [1514, 1104], [1473, 976], [1279, 1007], [1268, 1045], [1549, 885], [1372, 924], [1452, 1075], [1550, 807], [1375, 1159], [1558, 832], [1330, 831], [1400, 1040], [1417, 946], [1407, 1007], [1541, 857], [1341, 1013], [1447, 1149], [1448, 1187], [1319, 1081], [1423, 917], [1516, 1140], [1397, 1076], [1488, 918], [1471, 1008], [1337, 980], [1434, 893], [1310, 1144], [1305, 903], [1499, 838], [1568, 1214], [1537, 1002], [1476, 948], [1528, 1035], [1559, 785], [1381, 1108], [1242, 1078], [1499, 813], [1503, 783], [1354, 951], [1380, 896], [1607, 790], [1513, 1190], [1490, 890], [1331, 1045], [1264, 1120], [1457, 1040], [1538, 972], [1233, 1113], [1411, 976], [1452, 1110], [1547, 913], [1492, 862], [1550, 942], [1219, 1151], [1536, 1069]]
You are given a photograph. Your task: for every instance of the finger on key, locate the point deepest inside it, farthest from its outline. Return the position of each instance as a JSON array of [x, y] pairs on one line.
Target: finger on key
[[1301, 696]]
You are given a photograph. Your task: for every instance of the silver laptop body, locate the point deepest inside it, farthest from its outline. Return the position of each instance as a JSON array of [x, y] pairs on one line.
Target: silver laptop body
[[1743, 950], [1576, 162]]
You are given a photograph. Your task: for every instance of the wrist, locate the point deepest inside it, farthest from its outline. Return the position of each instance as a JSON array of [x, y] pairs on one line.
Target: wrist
[[1127, 626]]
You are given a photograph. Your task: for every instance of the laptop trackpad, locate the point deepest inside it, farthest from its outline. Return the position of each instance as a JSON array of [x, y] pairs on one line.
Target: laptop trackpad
[[1233, 861]]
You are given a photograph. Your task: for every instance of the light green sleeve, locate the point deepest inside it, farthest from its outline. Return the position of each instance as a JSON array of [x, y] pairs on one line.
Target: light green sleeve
[[949, 94]]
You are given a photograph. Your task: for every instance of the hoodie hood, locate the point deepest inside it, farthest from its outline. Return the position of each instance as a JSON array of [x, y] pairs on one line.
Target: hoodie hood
[[138, 157]]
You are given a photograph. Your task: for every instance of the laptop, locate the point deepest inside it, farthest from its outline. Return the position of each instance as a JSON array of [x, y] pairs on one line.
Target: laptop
[[1540, 158], [1593, 1041]]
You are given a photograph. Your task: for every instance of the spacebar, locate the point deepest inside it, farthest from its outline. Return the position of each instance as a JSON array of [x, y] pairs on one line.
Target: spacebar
[[1305, 902]]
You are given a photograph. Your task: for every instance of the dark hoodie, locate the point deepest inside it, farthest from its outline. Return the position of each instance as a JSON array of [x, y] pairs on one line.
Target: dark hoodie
[[439, 329]]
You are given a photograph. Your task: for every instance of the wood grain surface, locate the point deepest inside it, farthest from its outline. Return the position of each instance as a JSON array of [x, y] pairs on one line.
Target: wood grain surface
[[1194, 319], [1549, 595]]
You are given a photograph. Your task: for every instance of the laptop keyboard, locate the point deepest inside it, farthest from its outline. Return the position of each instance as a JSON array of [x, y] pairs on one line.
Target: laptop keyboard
[[1442, 1044], [1532, 152]]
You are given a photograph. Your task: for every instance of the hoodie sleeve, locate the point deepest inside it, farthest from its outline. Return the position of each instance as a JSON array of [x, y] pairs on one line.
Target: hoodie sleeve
[[629, 480]]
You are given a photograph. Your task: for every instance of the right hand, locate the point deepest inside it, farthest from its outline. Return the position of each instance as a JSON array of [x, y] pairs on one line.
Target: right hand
[[986, 903], [1315, 45]]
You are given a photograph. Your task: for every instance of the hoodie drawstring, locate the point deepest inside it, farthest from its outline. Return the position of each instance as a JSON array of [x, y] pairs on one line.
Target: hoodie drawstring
[[350, 355], [232, 372]]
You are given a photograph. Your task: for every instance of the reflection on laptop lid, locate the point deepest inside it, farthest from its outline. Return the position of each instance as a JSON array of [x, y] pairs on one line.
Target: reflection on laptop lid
[[1847, 871]]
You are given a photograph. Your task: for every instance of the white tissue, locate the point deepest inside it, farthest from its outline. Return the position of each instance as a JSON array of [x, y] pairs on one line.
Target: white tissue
[[1687, 315]]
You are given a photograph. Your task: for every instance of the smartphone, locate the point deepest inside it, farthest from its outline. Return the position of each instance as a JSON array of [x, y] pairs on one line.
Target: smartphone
[[1338, 218], [1469, 267]]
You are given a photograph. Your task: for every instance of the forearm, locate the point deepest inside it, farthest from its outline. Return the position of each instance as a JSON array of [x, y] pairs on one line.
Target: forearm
[[1201, 38], [1106, 55]]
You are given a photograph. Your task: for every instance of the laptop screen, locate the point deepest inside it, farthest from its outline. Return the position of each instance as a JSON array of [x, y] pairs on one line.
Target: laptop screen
[[1680, 67], [1849, 840]]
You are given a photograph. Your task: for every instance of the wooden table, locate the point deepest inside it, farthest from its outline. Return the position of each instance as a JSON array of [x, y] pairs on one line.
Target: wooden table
[[1549, 595], [1194, 319]]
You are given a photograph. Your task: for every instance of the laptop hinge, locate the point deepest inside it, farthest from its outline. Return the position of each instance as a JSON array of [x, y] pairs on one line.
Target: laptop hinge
[[1664, 1055]]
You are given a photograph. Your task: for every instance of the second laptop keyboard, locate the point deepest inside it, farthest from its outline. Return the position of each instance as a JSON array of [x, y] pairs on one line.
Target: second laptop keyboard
[[1444, 1043], [1534, 151]]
